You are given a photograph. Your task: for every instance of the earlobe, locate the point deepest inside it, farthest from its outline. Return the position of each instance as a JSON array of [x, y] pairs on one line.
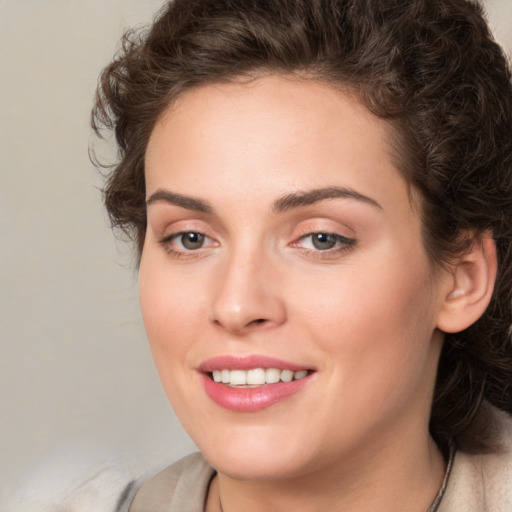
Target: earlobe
[[471, 283]]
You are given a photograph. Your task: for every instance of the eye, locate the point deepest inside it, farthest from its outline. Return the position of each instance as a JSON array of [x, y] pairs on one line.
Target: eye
[[325, 242], [191, 241], [186, 242]]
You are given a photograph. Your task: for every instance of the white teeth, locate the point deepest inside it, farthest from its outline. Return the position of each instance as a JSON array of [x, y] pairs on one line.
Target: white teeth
[[238, 378], [256, 376], [272, 375], [286, 375]]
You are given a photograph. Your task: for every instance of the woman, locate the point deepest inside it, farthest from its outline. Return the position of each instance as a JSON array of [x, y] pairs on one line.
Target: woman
[[321, 197]]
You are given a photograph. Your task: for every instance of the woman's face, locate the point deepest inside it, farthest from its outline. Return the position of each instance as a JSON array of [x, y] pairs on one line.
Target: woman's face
[[282, 239]]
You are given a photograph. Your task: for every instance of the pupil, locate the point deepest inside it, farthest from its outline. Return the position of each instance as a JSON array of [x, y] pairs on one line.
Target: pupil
[[192, 240], [324, 241]]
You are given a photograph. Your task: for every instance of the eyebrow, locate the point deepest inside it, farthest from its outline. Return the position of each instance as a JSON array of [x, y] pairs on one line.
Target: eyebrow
[[285, 203], [190, 203], [300, 199]]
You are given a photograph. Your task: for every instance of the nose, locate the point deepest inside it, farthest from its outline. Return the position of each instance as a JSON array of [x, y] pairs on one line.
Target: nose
[[248, 295]]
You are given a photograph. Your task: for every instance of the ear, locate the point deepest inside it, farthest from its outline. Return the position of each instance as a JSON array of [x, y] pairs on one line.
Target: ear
[[470, 285]]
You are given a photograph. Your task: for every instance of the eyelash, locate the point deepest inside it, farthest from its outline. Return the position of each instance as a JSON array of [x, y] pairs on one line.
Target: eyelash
[[167, 241], [342, 244]]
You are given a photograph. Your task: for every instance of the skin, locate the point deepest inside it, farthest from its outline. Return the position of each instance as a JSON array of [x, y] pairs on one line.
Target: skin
[[363, 314]]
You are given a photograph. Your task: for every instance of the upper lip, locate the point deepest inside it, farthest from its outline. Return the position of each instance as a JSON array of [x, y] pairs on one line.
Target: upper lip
[[227, 362]]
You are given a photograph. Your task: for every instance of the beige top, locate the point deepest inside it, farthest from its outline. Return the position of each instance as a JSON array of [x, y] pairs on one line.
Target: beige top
[[482, 483], [476, 483]]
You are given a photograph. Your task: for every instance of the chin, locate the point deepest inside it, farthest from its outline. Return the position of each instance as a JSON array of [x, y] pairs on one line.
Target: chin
[[254, 456]]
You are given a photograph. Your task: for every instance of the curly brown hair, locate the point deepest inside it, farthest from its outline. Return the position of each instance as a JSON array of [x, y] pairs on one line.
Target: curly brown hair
[[430, 67]]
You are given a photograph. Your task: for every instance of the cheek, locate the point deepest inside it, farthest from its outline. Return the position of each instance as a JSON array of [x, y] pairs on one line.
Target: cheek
[[373, 318], [170, 310], [171, 307], [378, 343]]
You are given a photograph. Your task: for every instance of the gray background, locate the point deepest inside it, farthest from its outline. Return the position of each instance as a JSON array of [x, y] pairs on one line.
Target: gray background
[[81, 409]]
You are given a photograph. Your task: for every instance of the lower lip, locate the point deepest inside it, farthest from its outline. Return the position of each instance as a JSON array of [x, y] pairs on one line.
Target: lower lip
[[251, 399]]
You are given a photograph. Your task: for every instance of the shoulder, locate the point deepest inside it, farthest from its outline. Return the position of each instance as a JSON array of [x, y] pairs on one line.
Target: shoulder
[[181, 487], [483, 482]]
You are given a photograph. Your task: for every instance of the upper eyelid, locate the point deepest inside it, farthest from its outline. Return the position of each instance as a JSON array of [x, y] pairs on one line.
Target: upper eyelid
[[176, 227], [165, 225], [325, 232], [303, 228], [319, 226], [296, 236], [342, 238], [181, 232]]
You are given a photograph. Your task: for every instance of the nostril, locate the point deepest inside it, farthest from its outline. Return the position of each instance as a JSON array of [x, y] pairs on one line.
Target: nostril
[[258, 321]]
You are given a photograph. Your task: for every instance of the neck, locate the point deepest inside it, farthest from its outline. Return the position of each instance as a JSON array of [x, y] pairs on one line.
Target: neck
[[388, 478]]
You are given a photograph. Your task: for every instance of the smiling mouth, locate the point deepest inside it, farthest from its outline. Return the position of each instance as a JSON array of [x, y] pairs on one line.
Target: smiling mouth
[[256, 377]]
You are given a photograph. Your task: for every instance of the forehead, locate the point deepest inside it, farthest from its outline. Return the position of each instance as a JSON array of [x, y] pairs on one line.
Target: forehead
[[268, 98], [272, 131]]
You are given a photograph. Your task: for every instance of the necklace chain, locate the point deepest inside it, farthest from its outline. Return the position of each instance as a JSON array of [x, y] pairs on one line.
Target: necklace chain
[[437, 501]]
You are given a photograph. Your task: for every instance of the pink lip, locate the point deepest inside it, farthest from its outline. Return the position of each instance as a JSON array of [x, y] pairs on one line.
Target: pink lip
[[250, 399], [248, 363]]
